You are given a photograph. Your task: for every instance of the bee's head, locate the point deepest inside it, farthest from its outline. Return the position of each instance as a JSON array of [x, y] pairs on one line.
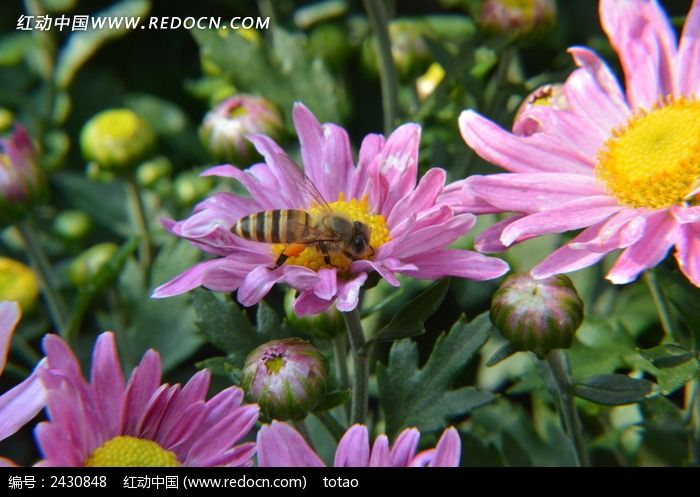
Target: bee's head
[[360, 246]]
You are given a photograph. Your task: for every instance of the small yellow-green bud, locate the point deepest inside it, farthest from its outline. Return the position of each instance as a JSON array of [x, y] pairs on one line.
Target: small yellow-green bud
[[86, 266], [537, 315], [286, 378], [19, 283], [117, 139], [72, 225], [190, 187], [148, 173]]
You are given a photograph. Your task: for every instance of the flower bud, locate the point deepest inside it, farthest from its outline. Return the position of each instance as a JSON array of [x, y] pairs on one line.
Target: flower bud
[[287, 378], [524, 123], [225, 128], [19, 283], [22, 182], [148, 173], [517, 17], [6, 119], [325, 324], [537, 315], [72, 225], [190, 187], [117, 139], [86, 266]]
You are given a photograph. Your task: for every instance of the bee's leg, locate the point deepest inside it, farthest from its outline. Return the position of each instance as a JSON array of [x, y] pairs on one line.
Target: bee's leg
[[323, 248], [291, 250]]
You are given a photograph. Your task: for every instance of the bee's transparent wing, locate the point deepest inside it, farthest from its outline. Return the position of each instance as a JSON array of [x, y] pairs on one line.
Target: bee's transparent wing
[[294, 175], [314, 234]]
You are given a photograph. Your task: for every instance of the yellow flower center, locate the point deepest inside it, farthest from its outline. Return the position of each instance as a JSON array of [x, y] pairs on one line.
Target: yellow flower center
[[357, 210], [126, 451], [654, 160]]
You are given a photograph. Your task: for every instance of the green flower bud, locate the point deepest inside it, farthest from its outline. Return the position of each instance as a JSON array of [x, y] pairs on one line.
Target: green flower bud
[[117, 139], [408, 47], [19, 283], [6, 120], [148, 173], [190, 187], [22, 182], [326, 324], [94, 172], [225, 128], [537, 315], [86, 266], [517, 17], [287, 378], [72, 225]]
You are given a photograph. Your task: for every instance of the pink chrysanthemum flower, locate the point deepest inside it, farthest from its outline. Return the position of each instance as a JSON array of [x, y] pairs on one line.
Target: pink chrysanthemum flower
[[106, 422], [411, 224], [21, 403], [281, 445], [624, 166]]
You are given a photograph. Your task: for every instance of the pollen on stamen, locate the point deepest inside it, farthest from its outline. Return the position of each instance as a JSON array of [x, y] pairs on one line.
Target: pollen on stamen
[[357, 210], [654, 160]]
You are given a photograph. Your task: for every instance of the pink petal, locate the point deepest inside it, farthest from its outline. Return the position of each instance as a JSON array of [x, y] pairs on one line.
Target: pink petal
[[10, 314], [459, 263], [107, 382], [533, 192], [565, 259], [423, 197], [592, 102], [448, 450], [489, 240], [369, 150], [57, 447], [349, 293], [688, 65], [224, 434], [185, 281], [685, 215], [573, 215], [386, 267], [461, 199], [660, 235], [397, 165], [22, 403], [307, 304], [404, 447], [325, 152], [327, 285], [640, 32], [620, 231], [688, 252], [535, 153], [280, 445], [239, 456], [7, 463], [143, 383], [353, 448], [431, 237], [380, 456]]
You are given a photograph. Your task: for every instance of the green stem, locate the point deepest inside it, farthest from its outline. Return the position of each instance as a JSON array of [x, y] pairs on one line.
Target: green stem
[[138, 215], [360, 360], [376, 11], [331, 424], [340, 349], [558, 365], [40, 263], [120, 329], [662, 307]]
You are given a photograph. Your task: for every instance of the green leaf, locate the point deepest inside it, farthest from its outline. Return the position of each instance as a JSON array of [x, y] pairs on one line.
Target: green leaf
[[85, 195], [513, 452], [423, 397], [221, 366], [81, 45], [167, 325], [667, 356], [268, 323], [223, 323], [334, 399], [684, 297], [408, 322], [501, 355], [614, 389]]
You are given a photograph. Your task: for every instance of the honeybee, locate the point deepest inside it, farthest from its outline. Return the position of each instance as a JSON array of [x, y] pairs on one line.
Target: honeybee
[[331, 232]]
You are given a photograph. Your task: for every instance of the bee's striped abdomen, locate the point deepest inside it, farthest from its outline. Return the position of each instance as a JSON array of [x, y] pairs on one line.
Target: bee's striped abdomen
[[277, 226]]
